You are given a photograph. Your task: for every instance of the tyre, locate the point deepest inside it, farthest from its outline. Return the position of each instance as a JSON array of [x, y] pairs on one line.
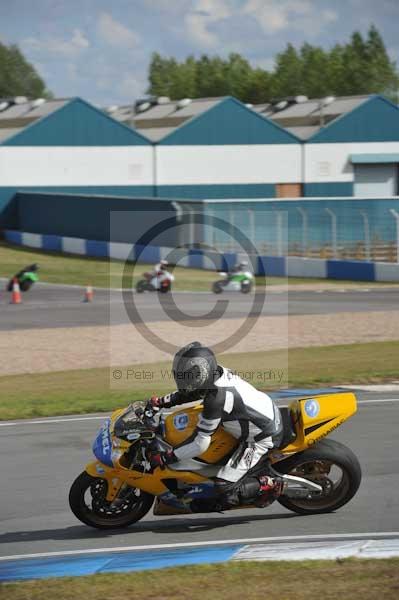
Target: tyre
[[330, 464], [9, 286], [88, 503], [164, 289], [217, 288], [246, 287], [25, 285], [141, 286]]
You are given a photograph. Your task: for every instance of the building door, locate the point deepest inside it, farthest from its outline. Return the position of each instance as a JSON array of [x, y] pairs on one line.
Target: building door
[[288, 190], [376, 180]]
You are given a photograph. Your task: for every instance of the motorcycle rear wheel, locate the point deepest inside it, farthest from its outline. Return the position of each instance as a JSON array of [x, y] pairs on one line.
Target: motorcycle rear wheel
[[98, 512], [321, 464]]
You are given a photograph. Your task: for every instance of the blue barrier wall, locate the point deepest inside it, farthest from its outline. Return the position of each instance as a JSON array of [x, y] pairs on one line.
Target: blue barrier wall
[[278, 266]]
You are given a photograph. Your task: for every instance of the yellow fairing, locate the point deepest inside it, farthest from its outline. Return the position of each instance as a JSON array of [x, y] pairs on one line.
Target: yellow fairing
[[180, 425], [148, 482], [317, 416]]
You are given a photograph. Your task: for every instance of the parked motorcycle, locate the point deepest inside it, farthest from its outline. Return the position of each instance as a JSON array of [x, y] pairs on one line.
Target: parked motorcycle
[[120, 487], [154, 283], [234, 282], [26, 278]]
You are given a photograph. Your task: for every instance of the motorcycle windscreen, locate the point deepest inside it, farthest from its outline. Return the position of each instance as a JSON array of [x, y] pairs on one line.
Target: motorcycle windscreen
[[102, 445]]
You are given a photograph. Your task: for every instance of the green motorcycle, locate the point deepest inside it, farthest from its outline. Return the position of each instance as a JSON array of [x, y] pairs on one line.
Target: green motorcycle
[[26, 278], [234, 282]]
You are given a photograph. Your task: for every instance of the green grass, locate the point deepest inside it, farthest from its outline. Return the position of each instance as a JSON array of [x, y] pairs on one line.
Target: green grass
[[95, 390], [78, 270], [349, 579]]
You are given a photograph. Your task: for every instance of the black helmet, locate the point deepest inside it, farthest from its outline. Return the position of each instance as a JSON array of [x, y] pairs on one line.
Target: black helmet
[[194, 367]]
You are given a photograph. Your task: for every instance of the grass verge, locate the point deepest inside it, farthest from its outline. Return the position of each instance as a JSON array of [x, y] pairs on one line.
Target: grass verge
[[350, 579], [90, 390], [78, 270]]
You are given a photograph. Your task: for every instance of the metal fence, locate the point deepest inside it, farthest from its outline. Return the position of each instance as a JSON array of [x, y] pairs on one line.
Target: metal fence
[[351, 229]]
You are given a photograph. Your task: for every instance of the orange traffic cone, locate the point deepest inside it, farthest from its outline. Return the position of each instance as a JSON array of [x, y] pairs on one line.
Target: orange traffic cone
[[88, 294], [16, 292]]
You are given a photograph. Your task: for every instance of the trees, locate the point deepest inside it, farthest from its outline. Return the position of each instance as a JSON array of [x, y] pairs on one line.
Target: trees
[[17, 76], [361, 66]]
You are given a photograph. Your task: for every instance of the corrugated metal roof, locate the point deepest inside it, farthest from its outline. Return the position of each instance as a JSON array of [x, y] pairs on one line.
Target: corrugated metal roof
[[48, 107], [15, 111], [8, 132], [155, 133], [304, 133]]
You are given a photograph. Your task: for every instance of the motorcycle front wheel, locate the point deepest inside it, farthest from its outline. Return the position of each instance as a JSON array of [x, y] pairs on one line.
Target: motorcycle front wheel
[[246, 287], [141, 286], [87, 499], [26, 285], [217, 287], [331, 465]]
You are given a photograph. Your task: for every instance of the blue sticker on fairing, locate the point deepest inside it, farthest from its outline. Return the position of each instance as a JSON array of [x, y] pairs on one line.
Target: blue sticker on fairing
[[180, 421], [102, 446], [312, 408]]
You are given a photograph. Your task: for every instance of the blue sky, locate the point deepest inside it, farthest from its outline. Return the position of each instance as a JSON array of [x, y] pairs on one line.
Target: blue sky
[[100, 50]]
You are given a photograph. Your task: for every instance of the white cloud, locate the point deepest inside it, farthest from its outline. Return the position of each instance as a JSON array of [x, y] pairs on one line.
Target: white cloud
[[76, 44], [274, 16], [115, 33], [206, 13]]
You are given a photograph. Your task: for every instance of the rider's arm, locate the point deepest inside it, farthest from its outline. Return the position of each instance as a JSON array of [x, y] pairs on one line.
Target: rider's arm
[[173, 399], [210, 419]]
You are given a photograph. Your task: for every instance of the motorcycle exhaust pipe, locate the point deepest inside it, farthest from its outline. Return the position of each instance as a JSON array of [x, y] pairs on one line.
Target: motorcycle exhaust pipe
[[298, 487]]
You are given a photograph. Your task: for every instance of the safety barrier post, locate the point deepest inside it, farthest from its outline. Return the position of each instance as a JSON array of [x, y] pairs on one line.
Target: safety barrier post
[[333, 231], [279, 224], [396, 216], [304, 215], [251, 216], [366, 235]]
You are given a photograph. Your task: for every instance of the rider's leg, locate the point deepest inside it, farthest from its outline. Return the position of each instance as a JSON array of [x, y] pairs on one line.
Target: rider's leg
[[235, 485]]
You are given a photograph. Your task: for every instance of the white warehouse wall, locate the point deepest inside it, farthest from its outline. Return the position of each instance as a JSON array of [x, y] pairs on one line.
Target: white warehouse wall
[[326, 163], [228, 164], [73, 166]]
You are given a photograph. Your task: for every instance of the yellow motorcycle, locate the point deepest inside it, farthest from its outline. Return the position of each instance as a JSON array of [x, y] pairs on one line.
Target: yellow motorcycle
[[120, 487]]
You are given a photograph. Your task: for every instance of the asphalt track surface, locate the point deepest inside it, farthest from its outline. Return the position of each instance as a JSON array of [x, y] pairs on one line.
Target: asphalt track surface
[[62, 306], [40, 461]]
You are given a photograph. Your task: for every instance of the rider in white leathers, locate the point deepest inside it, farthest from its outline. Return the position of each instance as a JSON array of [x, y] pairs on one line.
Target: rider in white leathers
[[248, 414]]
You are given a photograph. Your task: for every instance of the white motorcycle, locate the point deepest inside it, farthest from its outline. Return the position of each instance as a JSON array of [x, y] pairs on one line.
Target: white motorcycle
[[155, 283]]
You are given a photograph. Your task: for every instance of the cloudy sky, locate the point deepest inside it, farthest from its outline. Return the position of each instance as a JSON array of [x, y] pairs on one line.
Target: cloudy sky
[[100, 50]]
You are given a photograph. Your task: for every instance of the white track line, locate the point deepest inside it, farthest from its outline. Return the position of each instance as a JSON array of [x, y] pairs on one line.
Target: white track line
[[101, 417], [289, 538]]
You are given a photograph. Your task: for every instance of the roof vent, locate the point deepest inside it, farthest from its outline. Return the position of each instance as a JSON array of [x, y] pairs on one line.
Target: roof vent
[[281, 105], [163, 100], [4, 105], [111, 109], [20, 100], [183, 102], [37, 102], [327, 101], [143, 106], [300, 99]]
